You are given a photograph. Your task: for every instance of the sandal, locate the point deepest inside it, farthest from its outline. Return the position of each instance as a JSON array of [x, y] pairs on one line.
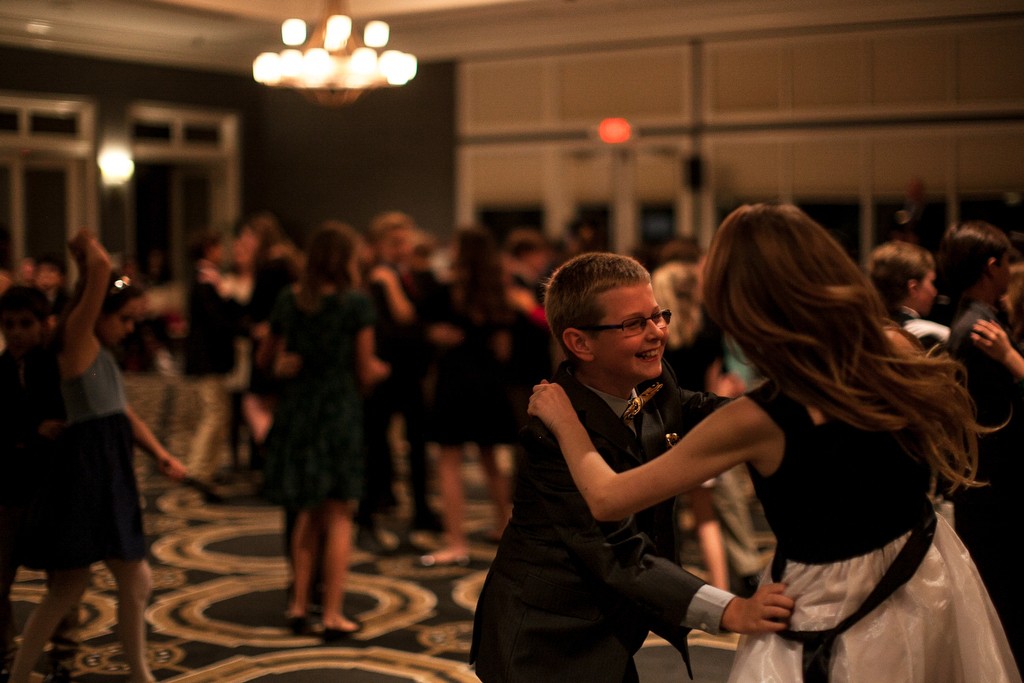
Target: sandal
[[444, 559]]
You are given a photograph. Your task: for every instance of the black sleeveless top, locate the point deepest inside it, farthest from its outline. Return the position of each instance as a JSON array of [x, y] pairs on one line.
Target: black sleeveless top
[[840, 491]]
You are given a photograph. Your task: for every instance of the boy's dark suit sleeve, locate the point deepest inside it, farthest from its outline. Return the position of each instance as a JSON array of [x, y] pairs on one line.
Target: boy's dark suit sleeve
[[696, 405], [613, 555], [214, 322]]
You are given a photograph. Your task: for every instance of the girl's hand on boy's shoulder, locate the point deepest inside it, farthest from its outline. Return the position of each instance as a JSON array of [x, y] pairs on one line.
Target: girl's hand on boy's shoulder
[[990, 337], [550, 403], [384, 275]]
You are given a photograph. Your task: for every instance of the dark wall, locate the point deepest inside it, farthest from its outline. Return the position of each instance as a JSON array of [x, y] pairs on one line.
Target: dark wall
[[392, 149]]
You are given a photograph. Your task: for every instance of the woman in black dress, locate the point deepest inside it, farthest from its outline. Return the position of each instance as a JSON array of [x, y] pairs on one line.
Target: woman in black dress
[[471, 324]]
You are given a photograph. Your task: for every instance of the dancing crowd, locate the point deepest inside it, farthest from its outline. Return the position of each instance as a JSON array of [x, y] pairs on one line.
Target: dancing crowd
[[773, 358]]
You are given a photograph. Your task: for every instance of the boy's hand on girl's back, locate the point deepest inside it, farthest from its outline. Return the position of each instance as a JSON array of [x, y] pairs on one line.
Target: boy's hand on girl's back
[[51, 429], [767, 611], [287, 365], [378, 371]]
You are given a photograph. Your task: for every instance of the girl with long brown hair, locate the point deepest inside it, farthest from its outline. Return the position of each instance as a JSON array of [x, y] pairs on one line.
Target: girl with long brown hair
[[842, 442], [471, 324], [322, 350]]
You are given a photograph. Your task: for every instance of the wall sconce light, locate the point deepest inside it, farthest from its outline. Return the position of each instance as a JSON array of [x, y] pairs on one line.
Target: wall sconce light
[[116, 167]]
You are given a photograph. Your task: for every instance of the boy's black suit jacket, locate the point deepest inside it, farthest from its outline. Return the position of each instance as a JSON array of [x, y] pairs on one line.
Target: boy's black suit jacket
[[569, 598]]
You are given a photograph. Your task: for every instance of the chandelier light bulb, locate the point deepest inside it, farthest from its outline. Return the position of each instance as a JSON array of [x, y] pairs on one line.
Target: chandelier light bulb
[[364, 61], [376, 34], [410, 65], [317, 65], [266, 68], [331, 65], [337, 32], [293, 32], [398, 67], [391, 65], [291, 64]]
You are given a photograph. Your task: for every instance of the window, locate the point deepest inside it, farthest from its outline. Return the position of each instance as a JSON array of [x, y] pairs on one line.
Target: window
[[925, 224], [503, 220], [841, 220], [657, 223]]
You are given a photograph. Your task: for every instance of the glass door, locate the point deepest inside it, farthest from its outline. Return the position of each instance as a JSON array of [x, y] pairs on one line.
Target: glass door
[[41, 201]]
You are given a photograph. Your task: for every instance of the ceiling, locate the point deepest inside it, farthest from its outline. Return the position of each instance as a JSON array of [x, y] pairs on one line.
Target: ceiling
[[225, 35]]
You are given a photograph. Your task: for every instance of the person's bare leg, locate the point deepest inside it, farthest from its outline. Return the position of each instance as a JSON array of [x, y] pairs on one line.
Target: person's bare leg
[[449, 476], [305, 547], [134, 586], [709, 535], [65, 590], [258, 415], [498, 488], [337, 517]]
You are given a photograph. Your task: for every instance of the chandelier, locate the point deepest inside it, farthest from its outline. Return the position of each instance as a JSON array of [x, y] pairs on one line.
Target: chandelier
[[333, 66]]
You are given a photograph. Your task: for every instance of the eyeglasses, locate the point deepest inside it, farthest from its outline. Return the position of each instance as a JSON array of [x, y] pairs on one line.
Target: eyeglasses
[[633, 326]]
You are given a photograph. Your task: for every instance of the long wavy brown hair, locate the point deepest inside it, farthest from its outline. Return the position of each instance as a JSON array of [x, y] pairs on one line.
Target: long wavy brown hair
[[478, 288], [810, 320]]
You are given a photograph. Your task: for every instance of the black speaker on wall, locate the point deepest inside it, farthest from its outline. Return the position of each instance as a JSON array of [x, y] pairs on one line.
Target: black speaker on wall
[[693, 172]]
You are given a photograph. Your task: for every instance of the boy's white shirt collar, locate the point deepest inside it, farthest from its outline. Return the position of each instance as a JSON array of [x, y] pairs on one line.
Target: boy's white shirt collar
[[910, 311], [618, 405]]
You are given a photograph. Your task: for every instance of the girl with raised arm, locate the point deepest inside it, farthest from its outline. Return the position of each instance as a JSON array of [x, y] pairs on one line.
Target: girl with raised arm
[[90, 509], [842, 442]]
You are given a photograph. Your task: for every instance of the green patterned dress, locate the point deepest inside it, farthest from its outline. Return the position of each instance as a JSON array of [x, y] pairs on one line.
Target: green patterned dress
[[315, 447]]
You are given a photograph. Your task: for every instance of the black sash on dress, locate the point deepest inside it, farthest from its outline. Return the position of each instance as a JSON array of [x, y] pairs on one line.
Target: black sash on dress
[[817, 658]]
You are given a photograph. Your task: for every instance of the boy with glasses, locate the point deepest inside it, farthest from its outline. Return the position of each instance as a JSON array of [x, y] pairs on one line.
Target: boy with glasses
[[568, 597]]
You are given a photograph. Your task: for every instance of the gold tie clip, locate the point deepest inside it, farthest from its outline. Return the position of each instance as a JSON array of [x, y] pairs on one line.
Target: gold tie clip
[[636, 404]]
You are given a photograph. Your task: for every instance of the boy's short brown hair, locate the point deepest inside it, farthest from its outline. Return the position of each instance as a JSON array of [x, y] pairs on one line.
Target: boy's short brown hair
[[383, 224], [892, 265], [22, 298], [522, 241], [200, 243], [571, 293], [965, 250]]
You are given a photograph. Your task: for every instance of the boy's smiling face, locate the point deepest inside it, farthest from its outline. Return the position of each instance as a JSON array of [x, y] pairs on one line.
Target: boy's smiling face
[[611, 360], [22, 330]]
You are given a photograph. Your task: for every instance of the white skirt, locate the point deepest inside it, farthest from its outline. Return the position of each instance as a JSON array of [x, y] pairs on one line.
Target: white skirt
[[940, 627]]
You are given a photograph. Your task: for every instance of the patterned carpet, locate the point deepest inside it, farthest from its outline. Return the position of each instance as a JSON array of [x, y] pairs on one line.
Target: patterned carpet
[[220, 582]]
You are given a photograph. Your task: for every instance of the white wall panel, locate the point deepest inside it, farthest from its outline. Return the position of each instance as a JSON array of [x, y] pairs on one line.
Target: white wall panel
[[991, 163], [896, 160], [507, 176], [824, 168], [651, 83]]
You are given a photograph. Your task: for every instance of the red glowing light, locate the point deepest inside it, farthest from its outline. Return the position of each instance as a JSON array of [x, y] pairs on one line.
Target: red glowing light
[[614, 131]]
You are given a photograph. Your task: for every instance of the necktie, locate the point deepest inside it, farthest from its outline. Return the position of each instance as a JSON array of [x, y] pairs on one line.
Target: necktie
[[636, 404]]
